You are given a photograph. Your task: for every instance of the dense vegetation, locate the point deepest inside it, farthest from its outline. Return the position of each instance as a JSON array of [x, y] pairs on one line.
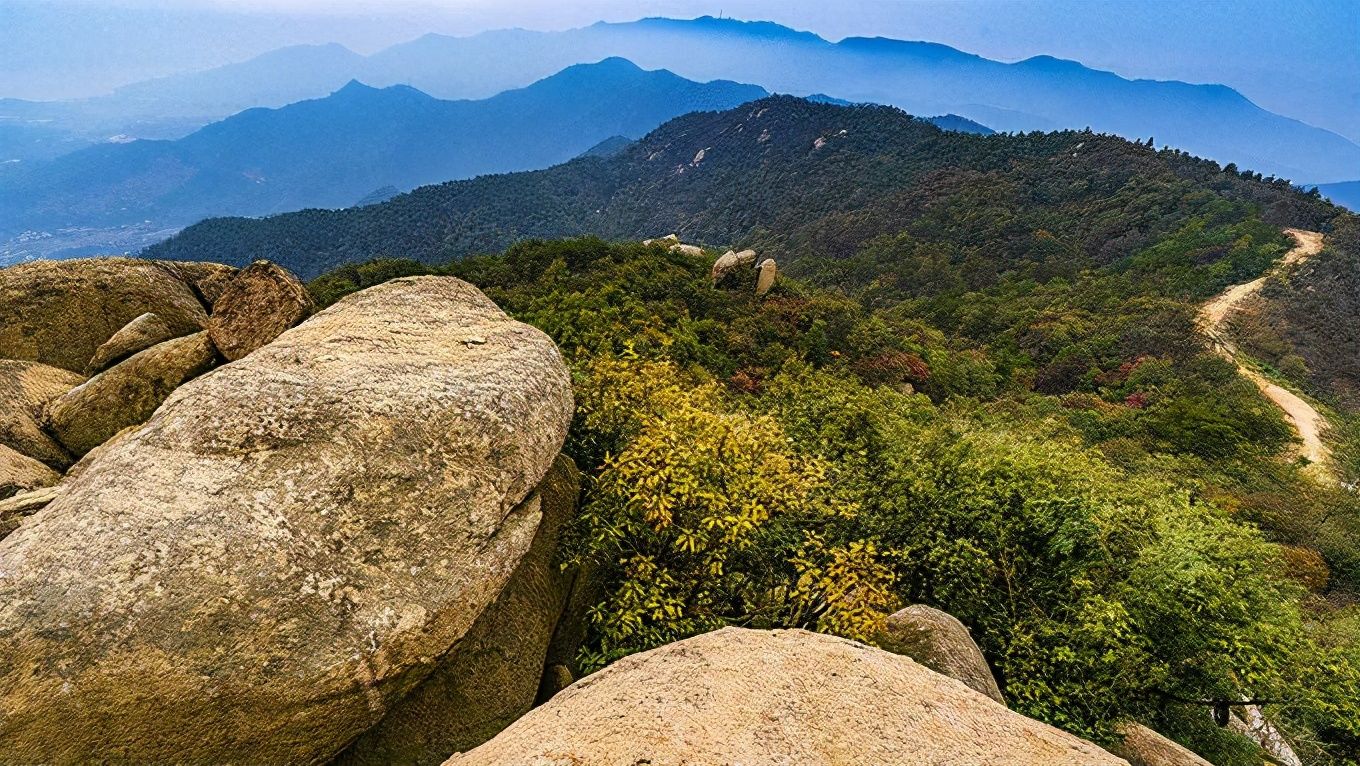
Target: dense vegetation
[[798, 179], [979, 386], [1120, 532]]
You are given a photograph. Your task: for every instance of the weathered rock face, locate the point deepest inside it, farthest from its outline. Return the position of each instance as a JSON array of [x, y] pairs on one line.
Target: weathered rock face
[[127, 393], [60, 312], [209, 280], [260, 302], [939, 641], [776, 697], [282, 552], [21, 473], [492, 676], [1144, 747], [138, 335], [25, 388]]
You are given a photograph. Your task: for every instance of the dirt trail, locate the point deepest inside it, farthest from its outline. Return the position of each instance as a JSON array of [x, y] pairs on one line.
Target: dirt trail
[[1307, 421]]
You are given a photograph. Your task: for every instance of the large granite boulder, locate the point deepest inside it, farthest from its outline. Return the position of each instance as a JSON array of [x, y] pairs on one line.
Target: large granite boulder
[[25, 389], [61, 312], [127, 393], [138, 335], [1144, 747], [287, 547], [259, 303], [777, 697], [492, 676], [21, 473], [939, 641]]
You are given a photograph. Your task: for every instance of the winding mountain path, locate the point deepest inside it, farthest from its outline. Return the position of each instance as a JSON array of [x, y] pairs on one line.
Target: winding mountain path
[[1307, 421]]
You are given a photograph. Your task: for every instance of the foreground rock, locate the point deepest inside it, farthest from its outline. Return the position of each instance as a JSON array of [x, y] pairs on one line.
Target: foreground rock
[[1144, 747], [776, 697], [259, 303], [282, 552], [492, 676], [127, 393], [138, 335], [25, 389], [940, 642], [21, 473], [60, 312]]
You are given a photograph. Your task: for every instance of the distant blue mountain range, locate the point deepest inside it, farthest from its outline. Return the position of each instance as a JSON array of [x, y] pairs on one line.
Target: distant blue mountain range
[[1041, 93], [336, 151]]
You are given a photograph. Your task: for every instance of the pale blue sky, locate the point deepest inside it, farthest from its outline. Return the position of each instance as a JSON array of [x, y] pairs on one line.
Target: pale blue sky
[[1296, 57]]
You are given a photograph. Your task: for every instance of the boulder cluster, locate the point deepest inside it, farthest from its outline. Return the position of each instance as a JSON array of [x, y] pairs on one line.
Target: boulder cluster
[[309, 541], [233, 531]]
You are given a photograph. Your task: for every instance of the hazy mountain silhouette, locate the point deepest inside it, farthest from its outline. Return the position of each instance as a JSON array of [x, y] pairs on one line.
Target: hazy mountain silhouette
[[1040, 93], [332, 151]]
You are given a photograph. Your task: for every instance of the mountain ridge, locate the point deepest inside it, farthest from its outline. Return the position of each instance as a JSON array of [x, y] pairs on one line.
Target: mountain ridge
[[769, 174], [1038, 93], [331, 151]]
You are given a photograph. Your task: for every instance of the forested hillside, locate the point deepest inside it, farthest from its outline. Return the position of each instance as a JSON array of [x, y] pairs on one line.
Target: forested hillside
[[983, 390], [1065, 467], [797, 178]]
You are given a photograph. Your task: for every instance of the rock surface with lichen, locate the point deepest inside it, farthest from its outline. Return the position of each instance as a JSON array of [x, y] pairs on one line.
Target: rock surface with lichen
[[287, 547]]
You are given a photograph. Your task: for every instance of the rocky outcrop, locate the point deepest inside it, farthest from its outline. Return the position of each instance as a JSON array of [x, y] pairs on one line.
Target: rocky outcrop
[[261, 571], [21, 473], [731, 262], [769, 271], [1144, 747], [138, 335], [259, 303], [60, 312], [492, 676], [127, 393], [776, 697], [25, 389], [939, 641]]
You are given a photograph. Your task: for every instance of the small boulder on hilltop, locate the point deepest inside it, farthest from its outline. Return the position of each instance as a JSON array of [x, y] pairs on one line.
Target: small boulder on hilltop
[[763, 698], [283, 551], [138, 335], [25, 389], [939, 641], [60, 312], [259, 303], [127, 393]]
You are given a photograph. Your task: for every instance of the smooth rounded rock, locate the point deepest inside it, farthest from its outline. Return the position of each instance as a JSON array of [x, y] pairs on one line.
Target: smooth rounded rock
[[284, 550], [138, 335], [769, 698], [127, 393], [939, 641], [1144, 747], [259, 303]]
